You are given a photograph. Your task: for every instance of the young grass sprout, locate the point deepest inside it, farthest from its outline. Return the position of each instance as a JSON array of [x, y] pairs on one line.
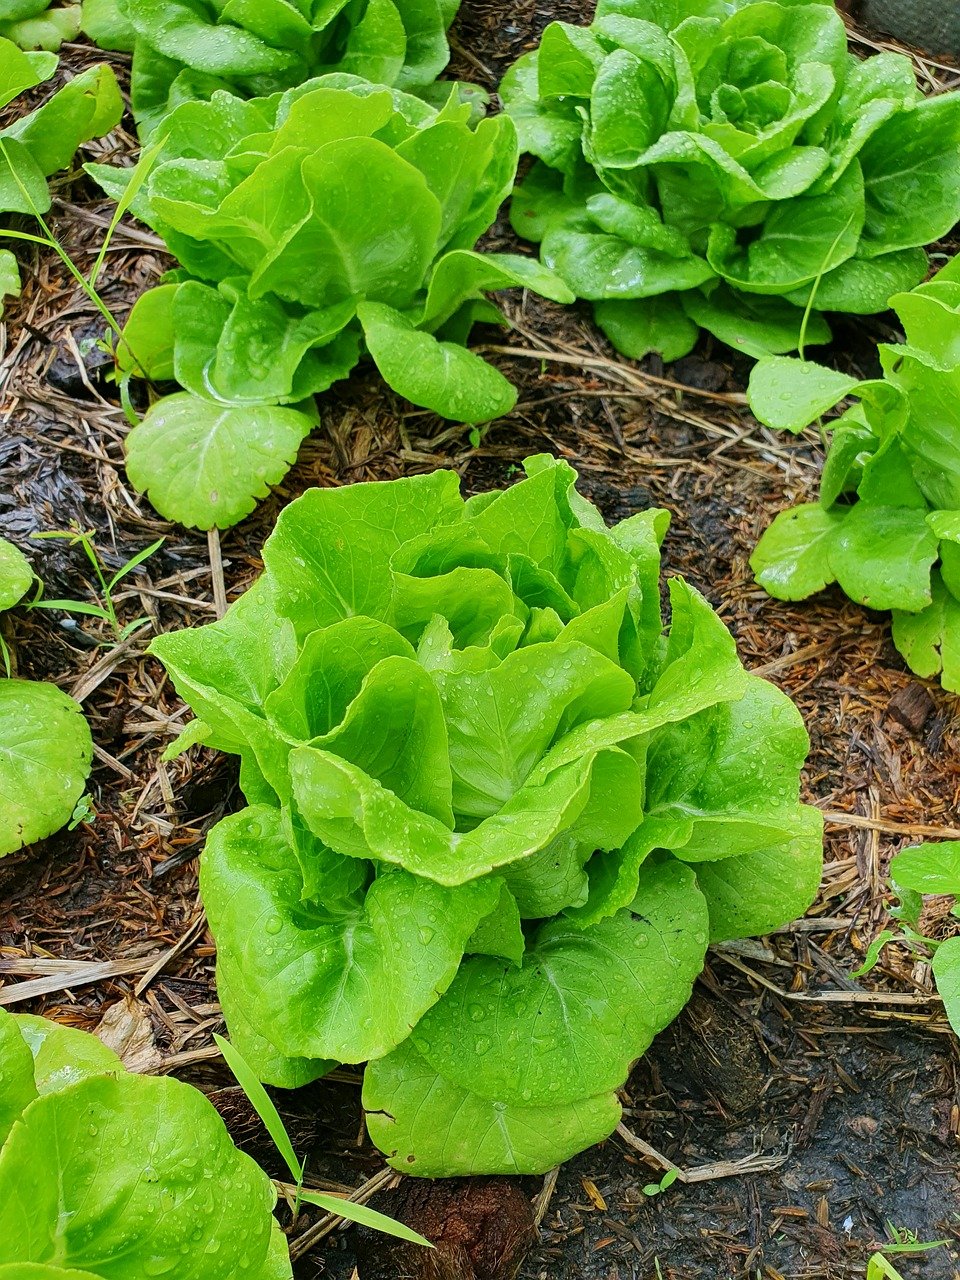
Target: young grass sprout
[[107, 609], [262, 1103]]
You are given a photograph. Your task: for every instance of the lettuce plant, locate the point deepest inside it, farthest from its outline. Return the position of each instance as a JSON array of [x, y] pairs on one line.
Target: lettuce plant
[[45, 744], [43, 141], [926, 869], [314, 226], [37, 24], [728, 165], [887, 526], [496, 811], [188, 49], [118, 1176]]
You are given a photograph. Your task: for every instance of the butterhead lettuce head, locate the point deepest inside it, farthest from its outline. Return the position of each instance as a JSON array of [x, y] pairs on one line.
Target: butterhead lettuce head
[[496, 810], [726, 165]]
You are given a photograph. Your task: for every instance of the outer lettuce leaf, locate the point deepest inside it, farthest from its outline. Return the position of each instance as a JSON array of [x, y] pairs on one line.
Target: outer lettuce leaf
[[463, 743], [585, 1004], [45, 756], [468, 1134], [16, 575], [106, 1174], [206, 464], [344, 987]]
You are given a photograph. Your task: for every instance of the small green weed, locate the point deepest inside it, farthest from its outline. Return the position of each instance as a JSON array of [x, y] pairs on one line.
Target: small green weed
[[668, 1179], [262, 1103], [106, 609]]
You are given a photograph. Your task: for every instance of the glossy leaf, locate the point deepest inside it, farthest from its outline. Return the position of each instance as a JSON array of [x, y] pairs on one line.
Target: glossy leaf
[[441, 376], [104, 1174], [261, 46], [790, 394], [928, 868], [792, 559], [16, 575], [469, 1134], [946, 971], [206, 464], [45, 756]]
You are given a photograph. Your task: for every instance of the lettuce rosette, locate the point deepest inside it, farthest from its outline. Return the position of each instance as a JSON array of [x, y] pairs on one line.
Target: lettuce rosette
[[105, 1175], [335, 221], [729, 165], [187, 50], [886, 527], [496, 810]]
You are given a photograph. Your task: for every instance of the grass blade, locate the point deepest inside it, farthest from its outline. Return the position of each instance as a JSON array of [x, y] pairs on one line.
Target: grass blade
[[73, 606], [365, 1217], [138, 559], [261, 1102], [141, 173]]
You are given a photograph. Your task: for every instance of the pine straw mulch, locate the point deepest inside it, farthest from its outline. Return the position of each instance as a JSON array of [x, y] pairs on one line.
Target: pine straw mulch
[[843, 1095]]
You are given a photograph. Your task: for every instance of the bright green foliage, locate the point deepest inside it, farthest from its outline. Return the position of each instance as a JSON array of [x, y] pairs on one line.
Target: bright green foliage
[[37, 24], [721, 164], [926, 869], [45, 756], [45, 744], [184, 50], [887, 527], [496, 812], [38, 144], [312, 226], [44, 141], [15, 575], [111, 1175]]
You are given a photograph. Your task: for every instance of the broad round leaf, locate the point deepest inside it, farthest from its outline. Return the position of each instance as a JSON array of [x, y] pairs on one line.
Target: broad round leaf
[[928, 868], [792, 559], [441, 376], [319, 987], [882, 556], [751, 895], [64, 1055], [585, 1004], [930, 640], [467, 1134], [16, 575], [45, 755], [17, 1085], [205, 464], [790, 394], [119, 1173]]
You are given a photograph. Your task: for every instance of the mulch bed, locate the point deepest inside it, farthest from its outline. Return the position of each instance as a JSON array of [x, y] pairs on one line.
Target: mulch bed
[[844, 1095]]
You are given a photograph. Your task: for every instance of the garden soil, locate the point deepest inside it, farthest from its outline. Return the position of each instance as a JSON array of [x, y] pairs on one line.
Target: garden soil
[[841, 1096]]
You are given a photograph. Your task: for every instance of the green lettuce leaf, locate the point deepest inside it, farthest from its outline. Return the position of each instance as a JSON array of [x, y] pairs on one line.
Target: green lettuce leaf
[[206, 464], [468, 1134], [45, 757], [106, 1174]]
